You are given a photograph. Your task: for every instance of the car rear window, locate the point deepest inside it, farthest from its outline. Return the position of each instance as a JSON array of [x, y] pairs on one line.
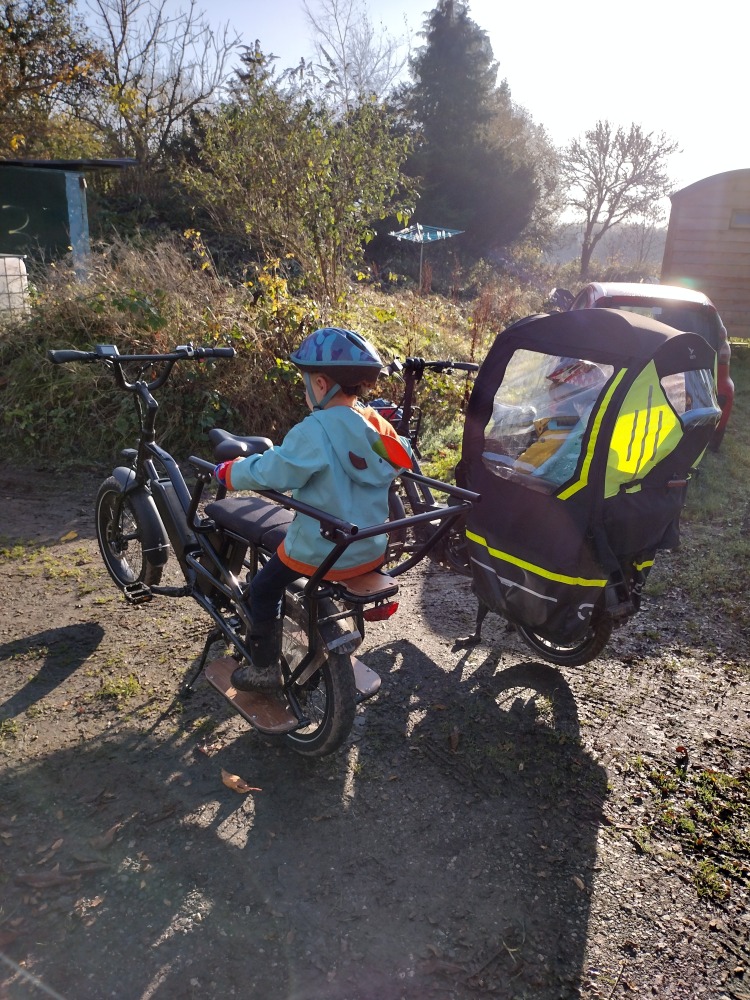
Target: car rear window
[[684, 318]]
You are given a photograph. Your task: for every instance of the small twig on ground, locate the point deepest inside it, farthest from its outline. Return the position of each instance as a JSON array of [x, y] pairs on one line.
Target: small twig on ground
[[617, 981]]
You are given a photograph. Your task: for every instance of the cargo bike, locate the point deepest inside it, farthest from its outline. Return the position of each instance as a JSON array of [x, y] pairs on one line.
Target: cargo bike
[[582, 432]]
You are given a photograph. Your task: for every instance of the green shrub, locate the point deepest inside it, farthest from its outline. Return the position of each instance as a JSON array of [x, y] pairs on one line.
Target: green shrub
[[150, 299], [146, 301]]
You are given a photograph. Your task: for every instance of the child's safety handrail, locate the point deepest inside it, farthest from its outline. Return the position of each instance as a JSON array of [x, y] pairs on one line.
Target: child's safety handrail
[[343, 533]]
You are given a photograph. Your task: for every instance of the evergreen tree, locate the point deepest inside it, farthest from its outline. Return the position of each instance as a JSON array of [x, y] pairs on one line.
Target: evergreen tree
[[474, 177]]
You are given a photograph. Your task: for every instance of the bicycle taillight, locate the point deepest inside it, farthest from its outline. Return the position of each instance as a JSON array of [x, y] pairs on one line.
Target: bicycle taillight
[[380, 612]]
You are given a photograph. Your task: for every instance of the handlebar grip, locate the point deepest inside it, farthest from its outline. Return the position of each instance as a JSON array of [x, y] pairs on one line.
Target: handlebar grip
[[223, 352], [60, 357], [465, 366], [201, 465]]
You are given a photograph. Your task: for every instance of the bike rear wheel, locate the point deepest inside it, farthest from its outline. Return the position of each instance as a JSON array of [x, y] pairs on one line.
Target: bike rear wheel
[[120, 518], [328, 698], [573, 654], [398, 540]]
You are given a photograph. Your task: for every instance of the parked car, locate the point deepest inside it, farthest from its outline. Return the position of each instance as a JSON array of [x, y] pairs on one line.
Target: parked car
[[682, 308]]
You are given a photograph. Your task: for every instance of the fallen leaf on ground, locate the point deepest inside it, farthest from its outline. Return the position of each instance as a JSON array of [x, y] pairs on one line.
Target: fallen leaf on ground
[[69, 537], [166, 813], [580, 883], [87, 867], [49, 852], [454, 739], [236, 783], [105, 839]]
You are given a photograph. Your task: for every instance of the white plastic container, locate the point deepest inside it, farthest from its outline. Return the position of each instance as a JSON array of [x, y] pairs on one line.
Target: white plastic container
[[14, 286]]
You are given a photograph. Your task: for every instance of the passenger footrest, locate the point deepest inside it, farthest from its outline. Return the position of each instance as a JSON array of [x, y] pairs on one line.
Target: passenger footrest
[[268, 713], [137, 593], [367, 681], [375, 586]]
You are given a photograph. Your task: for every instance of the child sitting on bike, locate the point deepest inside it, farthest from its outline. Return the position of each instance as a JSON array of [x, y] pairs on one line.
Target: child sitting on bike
[[341, 459]]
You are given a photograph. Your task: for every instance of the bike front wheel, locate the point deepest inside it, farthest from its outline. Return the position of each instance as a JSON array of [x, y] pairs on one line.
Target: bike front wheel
[[120, 520], [328, 698], [573, 654]]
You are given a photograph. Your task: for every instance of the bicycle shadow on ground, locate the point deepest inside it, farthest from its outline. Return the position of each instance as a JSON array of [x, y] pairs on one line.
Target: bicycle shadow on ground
[[450, 847], [62, 651], [525, 847]]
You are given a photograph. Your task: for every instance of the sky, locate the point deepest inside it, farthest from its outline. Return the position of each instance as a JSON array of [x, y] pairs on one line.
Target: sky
[[666, 65]]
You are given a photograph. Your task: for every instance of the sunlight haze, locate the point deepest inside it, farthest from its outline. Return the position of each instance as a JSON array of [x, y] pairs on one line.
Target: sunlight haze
[[656, 64]]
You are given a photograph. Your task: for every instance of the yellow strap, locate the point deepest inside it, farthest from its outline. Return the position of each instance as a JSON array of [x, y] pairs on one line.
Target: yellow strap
[[584, 477], [573, 581]]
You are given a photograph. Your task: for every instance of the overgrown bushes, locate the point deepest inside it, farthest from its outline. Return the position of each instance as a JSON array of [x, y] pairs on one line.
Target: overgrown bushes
[[151, 299], [145, 301]]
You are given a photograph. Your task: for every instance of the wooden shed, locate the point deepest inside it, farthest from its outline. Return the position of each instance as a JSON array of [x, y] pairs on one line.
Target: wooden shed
[[708, 245]]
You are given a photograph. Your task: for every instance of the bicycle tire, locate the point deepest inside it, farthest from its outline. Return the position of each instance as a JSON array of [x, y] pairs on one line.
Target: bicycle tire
[[120, 519], [329, 698], [398, 540], [455, 548], [573, 654]]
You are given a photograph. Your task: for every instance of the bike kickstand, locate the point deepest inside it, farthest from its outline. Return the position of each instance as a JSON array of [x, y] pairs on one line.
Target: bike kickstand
[[187, 687], [476, 638]]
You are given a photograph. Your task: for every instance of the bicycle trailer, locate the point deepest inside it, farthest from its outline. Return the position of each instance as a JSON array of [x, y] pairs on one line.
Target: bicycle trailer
[[582, 432]]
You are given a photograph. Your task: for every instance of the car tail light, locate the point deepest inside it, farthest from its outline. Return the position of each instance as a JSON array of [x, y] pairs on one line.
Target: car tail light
[[380, 612]]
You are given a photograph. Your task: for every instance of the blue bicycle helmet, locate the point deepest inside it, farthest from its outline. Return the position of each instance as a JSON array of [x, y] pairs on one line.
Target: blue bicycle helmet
[[343, 355]]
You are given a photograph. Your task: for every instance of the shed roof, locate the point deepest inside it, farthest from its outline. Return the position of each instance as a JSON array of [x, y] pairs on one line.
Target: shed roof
[[79, 165], [707, 182]]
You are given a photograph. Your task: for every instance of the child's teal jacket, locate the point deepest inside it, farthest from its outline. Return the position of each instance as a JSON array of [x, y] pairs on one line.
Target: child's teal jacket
[[341, 460]]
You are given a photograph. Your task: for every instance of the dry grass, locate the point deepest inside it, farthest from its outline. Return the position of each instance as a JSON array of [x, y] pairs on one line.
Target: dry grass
[[152, 298]]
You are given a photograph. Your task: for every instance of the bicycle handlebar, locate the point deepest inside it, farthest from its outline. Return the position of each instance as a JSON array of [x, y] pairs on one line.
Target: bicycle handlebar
[[110, 356], [418, 366], [109, 353]]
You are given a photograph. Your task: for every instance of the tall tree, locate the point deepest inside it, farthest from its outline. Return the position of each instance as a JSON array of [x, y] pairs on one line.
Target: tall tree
[[614, 175], [355, 60], [48, 63], [476, 175]]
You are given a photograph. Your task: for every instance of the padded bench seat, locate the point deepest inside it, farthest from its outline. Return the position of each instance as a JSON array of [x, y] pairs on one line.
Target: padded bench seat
[[264, 523], [259, 521]]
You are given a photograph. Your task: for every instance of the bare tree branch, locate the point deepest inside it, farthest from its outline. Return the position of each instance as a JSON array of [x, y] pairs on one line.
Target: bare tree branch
[[355, 61], [160, 69], [614, 176]]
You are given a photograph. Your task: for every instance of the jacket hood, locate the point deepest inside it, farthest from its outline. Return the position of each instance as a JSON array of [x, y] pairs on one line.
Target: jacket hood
[[366, 455]]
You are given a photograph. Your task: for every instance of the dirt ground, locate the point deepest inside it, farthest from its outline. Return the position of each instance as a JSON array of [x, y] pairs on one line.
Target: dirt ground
[[495, 827]]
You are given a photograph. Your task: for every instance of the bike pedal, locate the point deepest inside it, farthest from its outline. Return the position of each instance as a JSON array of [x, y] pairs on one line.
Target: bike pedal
[[137, 593]]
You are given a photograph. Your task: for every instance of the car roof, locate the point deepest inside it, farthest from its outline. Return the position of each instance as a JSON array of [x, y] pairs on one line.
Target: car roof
[[634, 289]]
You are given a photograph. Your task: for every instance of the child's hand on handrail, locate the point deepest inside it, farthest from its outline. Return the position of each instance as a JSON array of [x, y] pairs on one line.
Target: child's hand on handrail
[[220, 474]]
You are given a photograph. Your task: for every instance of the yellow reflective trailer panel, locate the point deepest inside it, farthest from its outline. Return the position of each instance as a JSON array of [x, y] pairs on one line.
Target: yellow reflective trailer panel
[[646, 429]]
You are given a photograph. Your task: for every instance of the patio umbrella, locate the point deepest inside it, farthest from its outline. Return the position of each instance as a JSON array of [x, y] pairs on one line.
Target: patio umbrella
[[424, 234]]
